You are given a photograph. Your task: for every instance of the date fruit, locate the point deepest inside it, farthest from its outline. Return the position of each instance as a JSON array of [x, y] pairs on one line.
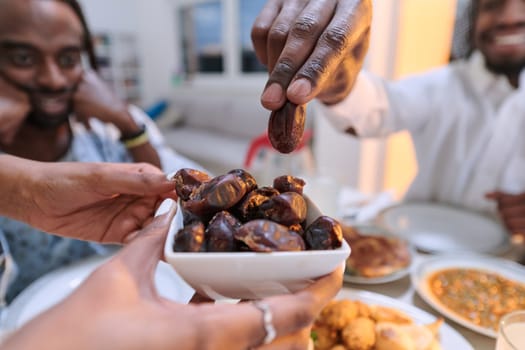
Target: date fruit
[[286, 127]]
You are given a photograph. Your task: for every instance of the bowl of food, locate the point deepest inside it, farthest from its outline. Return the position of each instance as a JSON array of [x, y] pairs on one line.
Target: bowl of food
[[377, 256], [233, 239]]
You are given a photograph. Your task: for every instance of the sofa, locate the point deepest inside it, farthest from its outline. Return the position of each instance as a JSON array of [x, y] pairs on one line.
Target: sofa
[[214, 127]]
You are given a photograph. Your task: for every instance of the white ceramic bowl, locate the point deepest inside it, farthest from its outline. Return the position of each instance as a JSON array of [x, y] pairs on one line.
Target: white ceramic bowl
[[250, 275]]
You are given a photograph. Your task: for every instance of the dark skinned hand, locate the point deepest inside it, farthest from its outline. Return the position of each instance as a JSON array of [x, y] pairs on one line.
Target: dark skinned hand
[[312, 48], [511, 208], [94, 98]]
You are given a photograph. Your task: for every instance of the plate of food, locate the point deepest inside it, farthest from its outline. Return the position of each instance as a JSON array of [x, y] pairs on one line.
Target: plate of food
[[377, 256], [234, 239], [365, 320], [473, 290], [440, 228]]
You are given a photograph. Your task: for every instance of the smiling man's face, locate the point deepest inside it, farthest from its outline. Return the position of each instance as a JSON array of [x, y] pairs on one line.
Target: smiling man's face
[[40, 53], [499, 33]]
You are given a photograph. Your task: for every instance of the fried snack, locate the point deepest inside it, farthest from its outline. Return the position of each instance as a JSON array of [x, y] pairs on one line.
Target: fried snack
[[338, 347], [376, 256], [387, 314], [406, 336], [354, 325], [359, 334], [325, 337], [363, 310], [390, 337], [338, 313]]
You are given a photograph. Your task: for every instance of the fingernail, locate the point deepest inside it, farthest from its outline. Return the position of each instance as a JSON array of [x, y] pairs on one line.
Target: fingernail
[[300, 88], [273, 94]]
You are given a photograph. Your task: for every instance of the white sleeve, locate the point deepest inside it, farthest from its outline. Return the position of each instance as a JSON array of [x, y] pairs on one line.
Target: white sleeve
[[169, 159], [376, 107], [363, 109]]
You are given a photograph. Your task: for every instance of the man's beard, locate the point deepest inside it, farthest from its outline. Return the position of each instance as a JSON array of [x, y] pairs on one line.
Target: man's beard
[[509, 68], [42, 120], [36, 116]]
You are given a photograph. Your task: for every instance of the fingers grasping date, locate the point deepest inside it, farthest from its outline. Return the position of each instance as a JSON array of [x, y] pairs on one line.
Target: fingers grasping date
[[511, 208], [312, 48]]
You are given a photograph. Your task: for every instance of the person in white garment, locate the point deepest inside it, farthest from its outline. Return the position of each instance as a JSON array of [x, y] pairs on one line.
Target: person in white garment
[[466, 119], [54, 108]]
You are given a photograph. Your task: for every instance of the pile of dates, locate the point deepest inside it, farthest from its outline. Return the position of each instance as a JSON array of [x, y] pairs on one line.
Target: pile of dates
[[231, 213]]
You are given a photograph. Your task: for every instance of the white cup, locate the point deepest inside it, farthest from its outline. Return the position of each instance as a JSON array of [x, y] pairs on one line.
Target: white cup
[[511, 333]]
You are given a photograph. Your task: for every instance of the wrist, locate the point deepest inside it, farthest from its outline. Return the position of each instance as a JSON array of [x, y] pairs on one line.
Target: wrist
[[136, 139], [125, 123]]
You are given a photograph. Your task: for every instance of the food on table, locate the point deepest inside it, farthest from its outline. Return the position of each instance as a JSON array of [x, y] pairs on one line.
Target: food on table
[[221, 232], [266, 236], [190, 238], [391, 336], [287, 183], [353, 325], [359, 333], [231, 213], [187, 180], [478, 296], [375, 255], [286, 127], [323, 233]]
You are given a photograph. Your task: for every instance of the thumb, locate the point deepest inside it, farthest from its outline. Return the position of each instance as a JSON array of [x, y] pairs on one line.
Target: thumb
[[494, 195], [142, 255]]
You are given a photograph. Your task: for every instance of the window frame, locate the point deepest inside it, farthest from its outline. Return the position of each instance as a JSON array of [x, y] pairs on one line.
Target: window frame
[[231, 42]]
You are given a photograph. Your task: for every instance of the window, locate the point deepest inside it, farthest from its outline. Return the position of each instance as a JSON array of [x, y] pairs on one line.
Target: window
[[202, 42], [248, 11], [215, 38]]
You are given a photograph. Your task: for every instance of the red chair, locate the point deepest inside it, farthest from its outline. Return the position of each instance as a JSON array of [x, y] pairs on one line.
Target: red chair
[[262, 141]]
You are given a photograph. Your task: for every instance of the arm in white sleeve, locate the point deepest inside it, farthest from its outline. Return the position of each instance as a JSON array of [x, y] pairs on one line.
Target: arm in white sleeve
[[376, 107]]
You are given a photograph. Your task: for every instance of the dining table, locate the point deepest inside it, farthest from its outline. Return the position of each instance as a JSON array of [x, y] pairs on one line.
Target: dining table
[[404, 291]]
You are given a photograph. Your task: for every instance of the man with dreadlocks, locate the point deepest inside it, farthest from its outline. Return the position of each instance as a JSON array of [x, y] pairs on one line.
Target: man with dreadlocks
[[466, 119], [54, 109]]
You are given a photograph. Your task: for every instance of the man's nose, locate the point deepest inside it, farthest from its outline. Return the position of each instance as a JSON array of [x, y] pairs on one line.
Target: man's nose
[[51, 76]]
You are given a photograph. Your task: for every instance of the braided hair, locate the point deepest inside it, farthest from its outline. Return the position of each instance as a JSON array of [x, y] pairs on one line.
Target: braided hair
[[88, 41]]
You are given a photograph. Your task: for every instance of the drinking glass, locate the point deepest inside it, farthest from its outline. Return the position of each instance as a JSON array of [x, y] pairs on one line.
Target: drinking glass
[[511, 333]]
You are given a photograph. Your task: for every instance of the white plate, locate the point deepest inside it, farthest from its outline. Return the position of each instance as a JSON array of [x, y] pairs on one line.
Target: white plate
[[427, 267], [57, 285], [347, 277], [250, 275], [438, 228], [449, 338], [371, 230]]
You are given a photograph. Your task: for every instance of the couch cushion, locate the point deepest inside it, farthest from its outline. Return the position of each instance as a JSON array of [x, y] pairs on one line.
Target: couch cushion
[[248, 118], [234, 114], [214, 151]]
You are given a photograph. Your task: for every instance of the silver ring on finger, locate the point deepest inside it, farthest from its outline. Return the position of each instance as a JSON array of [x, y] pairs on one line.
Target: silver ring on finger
[[267, 321]]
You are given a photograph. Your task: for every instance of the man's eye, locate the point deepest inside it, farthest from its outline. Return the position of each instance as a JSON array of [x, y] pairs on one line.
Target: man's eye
[[22, 59], [69, 60]]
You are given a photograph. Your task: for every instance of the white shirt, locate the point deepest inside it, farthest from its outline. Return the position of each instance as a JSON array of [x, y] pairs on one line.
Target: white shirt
[[466, 125], [101, 144]]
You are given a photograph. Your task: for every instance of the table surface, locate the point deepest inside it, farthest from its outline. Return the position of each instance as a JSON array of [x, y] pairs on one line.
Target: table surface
[[403, 290]]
